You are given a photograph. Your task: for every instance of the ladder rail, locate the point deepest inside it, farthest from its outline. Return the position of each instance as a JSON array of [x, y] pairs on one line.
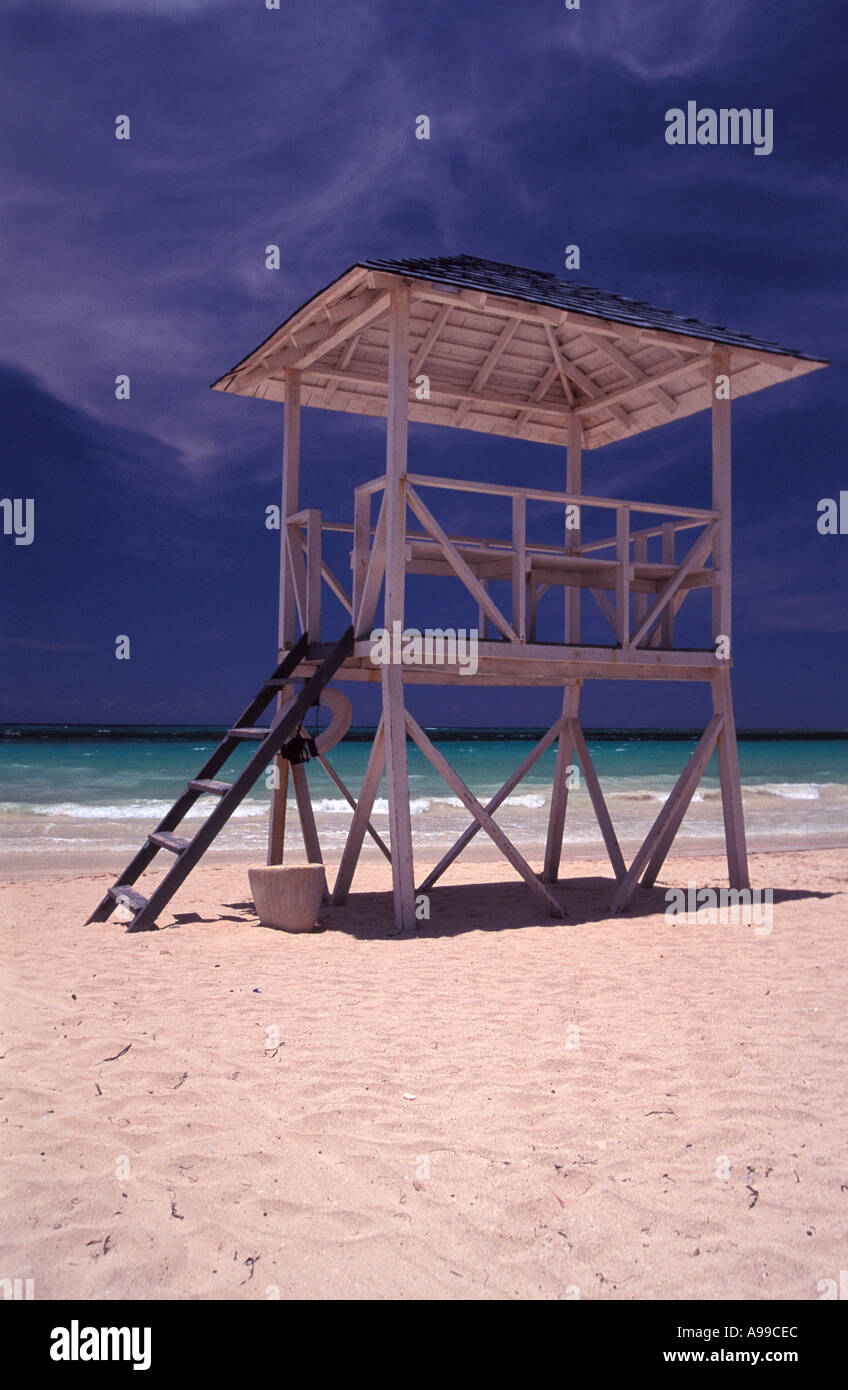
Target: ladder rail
[[217, 759], [220, 755], [187, 857]]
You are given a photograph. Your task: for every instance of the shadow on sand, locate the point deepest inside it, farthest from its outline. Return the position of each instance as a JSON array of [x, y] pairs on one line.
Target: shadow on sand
[[497, 907]]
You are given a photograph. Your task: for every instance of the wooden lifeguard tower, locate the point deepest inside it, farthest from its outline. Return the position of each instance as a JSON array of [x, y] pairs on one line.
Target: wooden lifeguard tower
[[477, 345]]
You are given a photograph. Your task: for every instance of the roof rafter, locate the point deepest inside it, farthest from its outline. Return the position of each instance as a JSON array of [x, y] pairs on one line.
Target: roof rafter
[[430, 339], [623, 393], [496, 304], [636, 374], [344, 363], [494, 355], [590, 387], [296, 357], [557, 356], [453, 391], [544, 385]]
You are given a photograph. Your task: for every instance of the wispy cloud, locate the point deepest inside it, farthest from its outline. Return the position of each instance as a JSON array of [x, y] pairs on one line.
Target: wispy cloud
[[147, 256], [656, 39], [101, 285]]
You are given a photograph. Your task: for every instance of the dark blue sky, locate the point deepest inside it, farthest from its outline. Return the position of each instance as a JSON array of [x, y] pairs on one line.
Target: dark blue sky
[[296, 127]]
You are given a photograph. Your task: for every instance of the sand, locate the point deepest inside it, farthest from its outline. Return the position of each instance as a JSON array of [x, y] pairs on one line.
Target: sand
[[504, 1107]]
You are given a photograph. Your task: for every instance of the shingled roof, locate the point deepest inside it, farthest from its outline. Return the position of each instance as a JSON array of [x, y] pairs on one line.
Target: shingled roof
[[507, 350], [543, 287]]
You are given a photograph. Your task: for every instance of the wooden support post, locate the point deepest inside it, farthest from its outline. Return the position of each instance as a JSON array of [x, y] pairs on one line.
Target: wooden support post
[[722, 494], [640, 601], [571, 693], [731, 784], [313, 575], [559, 790], [671, 815], [533, 596], [482, 615], [359, 824], [622, 578], [361, 548], [287, 601], [668, 554], [573, 485], [397, 772], [277, 819], [288, 506], [519, 565], [728, 757], [374, 571], [397, 779], [311, 843]]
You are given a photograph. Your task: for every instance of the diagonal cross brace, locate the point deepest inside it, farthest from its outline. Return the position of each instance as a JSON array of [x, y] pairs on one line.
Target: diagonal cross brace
[[660, 836], [491, 827]]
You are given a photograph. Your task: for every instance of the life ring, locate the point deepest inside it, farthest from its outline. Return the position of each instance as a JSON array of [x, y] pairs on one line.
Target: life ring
[[341, 712]]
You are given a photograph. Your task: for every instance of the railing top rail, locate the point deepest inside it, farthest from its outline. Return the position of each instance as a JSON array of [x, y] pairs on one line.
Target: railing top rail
[[537, 547], [686, 524], [543, 495], [373, 485], [487, 542]]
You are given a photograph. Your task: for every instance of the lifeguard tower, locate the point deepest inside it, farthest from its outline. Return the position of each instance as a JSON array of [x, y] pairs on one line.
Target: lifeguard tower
[[477, 345]]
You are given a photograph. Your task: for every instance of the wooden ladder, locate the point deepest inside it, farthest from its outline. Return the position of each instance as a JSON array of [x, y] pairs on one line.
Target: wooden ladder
[[228, 794]]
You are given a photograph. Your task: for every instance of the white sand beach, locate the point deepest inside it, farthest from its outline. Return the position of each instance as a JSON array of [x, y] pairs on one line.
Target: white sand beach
[[505, 1107]]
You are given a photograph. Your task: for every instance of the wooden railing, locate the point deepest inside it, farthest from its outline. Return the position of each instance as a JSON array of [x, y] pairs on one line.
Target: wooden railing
[[646, 594]]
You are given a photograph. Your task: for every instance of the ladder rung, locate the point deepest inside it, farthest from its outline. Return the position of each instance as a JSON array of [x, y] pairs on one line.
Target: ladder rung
[[188, 852], [133, 899], [205, 784], [175, 843], [274, 684]]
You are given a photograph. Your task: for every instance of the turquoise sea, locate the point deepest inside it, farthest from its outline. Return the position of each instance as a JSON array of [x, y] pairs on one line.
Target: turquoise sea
[[85, 796]]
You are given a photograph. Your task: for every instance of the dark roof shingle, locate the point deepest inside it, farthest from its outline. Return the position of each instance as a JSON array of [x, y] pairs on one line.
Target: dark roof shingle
[[542, 287]]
